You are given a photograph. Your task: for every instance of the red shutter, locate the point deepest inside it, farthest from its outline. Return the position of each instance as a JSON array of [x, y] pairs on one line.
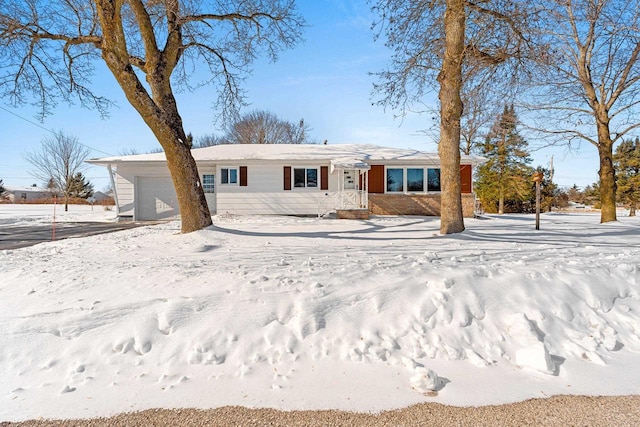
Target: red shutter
[[287, 177], [376, 179], [324, 177], [465, 179], [243, 176]]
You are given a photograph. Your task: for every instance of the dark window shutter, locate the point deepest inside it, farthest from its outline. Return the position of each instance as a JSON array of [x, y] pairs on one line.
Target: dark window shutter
[[465, 179], [324, 177], [243, 176], [287, 177], [376, 179]]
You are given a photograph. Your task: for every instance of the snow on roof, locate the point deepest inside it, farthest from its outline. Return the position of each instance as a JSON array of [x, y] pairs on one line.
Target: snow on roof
[[29, 189], [349, 164], [360, 152]]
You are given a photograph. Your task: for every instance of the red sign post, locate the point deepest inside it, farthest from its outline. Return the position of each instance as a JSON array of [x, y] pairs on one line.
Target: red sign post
[[53, 229], [537, 178]]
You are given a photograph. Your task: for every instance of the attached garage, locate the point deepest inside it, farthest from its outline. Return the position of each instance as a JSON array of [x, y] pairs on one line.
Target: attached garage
[[155, 198]]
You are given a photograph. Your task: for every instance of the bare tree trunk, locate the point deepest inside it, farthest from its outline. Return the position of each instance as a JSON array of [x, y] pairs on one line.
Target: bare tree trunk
[[194, 210], [450, 79], [632, 208], [160, 112], [158, 109], [501, 202], [605, 145], [607, 175], [168, 129]]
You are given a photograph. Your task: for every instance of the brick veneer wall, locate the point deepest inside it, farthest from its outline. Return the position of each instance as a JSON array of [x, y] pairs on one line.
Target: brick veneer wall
[[414, 204], [352, 214]]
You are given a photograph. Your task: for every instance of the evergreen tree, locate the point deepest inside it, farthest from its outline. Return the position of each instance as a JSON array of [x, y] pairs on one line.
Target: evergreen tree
[[2, 190], [53, 188], [591, 195], [79, 187], [575, 195], [627, 164], [506, 176]]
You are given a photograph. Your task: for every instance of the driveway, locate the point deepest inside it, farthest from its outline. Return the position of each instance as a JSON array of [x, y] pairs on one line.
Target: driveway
[[14, 237]]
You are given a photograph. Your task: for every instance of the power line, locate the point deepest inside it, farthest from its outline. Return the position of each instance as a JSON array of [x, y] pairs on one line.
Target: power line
[[30, 177], [49, 130]]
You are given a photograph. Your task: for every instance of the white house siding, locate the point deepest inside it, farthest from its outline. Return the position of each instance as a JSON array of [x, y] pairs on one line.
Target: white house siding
[[209, 169], [134, 183], [124, 182], [16, 196], [265, 194], [211, 202], [296, 203]]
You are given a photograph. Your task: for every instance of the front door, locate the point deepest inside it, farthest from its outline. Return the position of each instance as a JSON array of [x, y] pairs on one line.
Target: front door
[[351, 195], [209, 187]]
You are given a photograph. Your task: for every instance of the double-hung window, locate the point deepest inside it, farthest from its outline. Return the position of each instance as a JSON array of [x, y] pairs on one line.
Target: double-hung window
[[305, 178], [229, 175], [209, 183]]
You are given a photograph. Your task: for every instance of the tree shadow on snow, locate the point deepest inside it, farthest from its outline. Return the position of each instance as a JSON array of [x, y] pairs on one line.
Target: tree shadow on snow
[[372, 231]]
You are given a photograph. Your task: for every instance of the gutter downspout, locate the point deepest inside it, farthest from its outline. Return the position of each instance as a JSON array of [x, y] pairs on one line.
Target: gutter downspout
[[113, 187]]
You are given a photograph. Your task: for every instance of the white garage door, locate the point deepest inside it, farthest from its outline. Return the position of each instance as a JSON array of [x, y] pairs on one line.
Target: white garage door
[[156, 199]]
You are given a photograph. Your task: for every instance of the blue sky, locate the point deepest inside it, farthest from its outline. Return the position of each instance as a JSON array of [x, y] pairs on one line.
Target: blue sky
[[324, 80]]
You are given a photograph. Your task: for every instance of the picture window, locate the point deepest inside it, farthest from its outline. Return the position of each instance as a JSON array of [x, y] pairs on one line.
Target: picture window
[[395, 180], [415, 180], [433, 180]]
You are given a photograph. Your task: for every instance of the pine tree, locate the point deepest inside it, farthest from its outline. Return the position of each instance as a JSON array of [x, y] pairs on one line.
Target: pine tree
[[506, 176], [575, 195], [79, 187], [627, 165], [591, 195], [53, 188], [2, 190]]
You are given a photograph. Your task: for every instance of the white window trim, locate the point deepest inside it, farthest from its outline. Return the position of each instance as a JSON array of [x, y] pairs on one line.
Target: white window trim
[[404, 179], [214, 183], [229, 168], [405, 184], [293, 178]]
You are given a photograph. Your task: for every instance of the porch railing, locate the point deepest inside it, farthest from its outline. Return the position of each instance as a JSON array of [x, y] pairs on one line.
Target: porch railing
[[354, 199]]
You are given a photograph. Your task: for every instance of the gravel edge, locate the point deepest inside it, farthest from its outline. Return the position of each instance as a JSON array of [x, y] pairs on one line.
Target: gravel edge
[[553, 411]]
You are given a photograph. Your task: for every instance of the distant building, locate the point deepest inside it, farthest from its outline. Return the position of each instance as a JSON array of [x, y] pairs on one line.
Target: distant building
[[26, 194], [99, 196]]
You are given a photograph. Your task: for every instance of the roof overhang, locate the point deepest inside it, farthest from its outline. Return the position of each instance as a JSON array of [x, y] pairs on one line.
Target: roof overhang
[[349, 164]]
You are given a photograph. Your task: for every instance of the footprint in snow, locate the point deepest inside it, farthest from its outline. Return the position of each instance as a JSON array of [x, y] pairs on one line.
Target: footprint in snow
[[67, 389]]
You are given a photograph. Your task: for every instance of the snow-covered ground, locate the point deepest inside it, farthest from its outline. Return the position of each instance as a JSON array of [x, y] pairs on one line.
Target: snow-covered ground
[[27, 214], [318, 313]]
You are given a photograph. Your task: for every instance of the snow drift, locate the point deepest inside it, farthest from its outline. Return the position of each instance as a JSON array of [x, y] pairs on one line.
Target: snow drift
[[316, 313]]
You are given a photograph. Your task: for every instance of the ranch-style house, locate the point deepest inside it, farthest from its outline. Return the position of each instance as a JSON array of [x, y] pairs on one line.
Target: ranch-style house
[[291, 179]]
